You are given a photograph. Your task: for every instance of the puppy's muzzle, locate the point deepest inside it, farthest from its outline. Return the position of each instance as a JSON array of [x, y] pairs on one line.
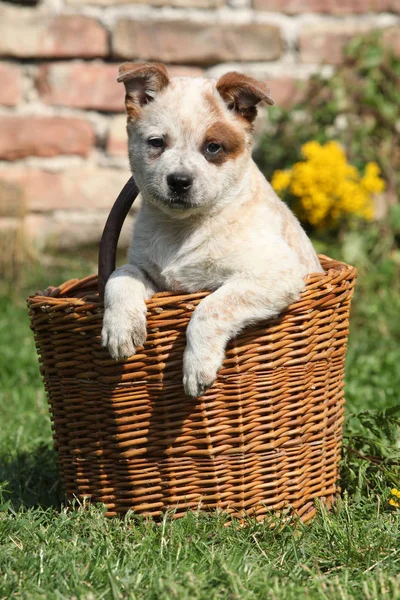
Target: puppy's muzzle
[[179, 182]]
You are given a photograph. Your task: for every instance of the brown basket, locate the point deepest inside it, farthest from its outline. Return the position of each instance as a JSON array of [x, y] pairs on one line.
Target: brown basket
[[266, 436]]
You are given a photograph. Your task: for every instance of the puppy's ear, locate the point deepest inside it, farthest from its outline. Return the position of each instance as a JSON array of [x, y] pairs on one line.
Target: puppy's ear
[[242, 94], [142, 82]]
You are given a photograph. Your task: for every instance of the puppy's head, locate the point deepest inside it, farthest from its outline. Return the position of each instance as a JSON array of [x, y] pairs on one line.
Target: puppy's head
[[189, 138]]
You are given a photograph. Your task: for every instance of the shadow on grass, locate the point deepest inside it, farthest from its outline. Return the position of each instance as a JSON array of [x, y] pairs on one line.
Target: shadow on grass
[[31, 479]]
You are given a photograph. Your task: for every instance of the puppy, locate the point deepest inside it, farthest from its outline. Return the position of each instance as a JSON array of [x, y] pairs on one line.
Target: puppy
[[208, 220]]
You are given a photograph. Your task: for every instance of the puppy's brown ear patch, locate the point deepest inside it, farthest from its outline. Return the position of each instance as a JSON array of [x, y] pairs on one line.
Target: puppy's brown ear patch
[[242, 94], [143, 81]]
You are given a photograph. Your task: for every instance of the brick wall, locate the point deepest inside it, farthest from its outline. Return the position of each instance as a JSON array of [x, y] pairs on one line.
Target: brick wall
[[62, 128]]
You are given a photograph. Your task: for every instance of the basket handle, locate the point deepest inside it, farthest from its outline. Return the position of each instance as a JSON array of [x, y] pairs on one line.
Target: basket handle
[[111, 231]]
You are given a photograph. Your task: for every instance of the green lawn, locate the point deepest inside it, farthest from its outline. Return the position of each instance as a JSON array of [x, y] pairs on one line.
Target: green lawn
[[47, 551]]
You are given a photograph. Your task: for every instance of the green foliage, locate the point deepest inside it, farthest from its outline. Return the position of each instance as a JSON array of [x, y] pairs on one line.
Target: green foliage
[[372, 247], [371, 449], [351, 552], [371, 452], [358, 106]]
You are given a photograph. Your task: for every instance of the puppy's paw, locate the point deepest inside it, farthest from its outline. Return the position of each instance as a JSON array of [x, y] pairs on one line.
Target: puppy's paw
[[199, 372], [123, 332]]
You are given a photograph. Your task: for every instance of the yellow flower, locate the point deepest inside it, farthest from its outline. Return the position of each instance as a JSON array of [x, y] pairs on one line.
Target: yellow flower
[[395, 492], [394, 502], [310, 149], [326, 187], [371, 180], [280, 180]]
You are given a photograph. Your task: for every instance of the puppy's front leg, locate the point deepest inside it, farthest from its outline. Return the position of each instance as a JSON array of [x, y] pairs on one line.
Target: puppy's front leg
[[124, 323], [221, 316]]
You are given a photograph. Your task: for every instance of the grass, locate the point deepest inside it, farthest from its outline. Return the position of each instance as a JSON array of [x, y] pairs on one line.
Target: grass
[[47, 551]]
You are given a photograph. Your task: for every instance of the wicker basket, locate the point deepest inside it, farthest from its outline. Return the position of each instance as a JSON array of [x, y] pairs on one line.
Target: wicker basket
[[266, 436]]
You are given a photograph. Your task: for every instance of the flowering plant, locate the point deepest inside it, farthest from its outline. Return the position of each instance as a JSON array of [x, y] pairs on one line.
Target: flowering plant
[[324, 188], [395, 498]]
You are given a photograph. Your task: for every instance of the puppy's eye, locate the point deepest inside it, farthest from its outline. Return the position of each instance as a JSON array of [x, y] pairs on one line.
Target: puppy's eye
[[156, 142], [213, 148]]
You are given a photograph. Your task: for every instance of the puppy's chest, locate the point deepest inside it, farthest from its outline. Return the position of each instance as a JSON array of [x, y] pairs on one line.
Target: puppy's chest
[[186, 267]]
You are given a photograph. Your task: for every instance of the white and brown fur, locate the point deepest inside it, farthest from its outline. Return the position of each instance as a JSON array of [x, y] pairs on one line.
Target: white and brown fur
[[229, 233]]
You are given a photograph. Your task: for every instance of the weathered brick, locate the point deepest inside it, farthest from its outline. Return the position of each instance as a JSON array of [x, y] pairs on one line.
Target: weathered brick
[[12, 199], [81, 85], [26, 33], [117, 139], [179, 41], [176, 3], [325, 43], [10, 84], [44, 136], [184, 71], [391, 37], [286, 91], [70, 229], [8, 224], [75, 189], [334, 7], [89, 85]]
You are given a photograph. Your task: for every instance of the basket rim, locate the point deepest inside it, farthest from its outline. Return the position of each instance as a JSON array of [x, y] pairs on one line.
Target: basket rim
[[334, 272]]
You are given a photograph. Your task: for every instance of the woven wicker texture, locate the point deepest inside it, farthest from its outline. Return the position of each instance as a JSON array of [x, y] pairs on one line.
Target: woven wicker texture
[[265, 437]]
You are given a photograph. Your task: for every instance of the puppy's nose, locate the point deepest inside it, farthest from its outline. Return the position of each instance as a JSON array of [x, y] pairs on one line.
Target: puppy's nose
[[179, 182]]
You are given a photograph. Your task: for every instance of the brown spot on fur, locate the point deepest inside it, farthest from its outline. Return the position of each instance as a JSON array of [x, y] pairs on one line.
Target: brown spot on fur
[[242, 94], [231, 139], [142, 82]]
